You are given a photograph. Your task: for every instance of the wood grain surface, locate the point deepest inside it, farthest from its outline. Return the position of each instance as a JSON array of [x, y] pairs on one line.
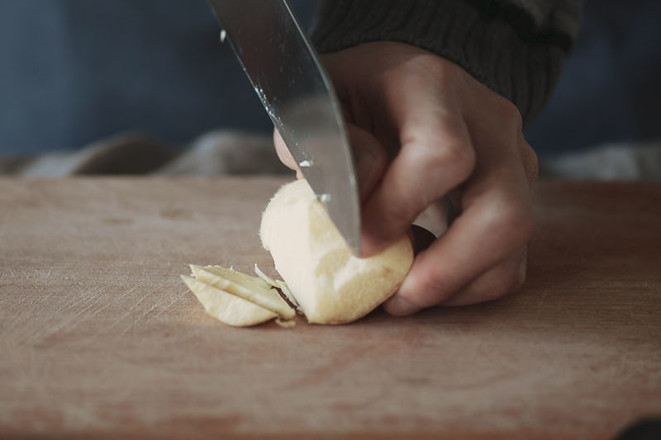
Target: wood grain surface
[[100, 338]]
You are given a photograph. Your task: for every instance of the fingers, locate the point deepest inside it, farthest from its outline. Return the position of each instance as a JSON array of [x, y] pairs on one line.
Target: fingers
[[436, 156], [482, 255], [484, 242], [503, 279]]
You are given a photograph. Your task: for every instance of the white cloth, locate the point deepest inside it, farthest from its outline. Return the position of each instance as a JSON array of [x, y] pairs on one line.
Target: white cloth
[[230, 153]]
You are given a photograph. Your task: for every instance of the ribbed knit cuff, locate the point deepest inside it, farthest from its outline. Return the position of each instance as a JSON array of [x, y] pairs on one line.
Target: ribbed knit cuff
[[521, 67]]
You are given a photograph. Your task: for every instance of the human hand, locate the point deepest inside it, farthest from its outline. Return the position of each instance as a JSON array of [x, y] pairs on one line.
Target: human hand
[[422, 128]]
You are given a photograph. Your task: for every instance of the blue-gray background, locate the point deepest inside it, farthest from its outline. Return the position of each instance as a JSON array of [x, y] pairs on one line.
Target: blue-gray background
[[75, 71]]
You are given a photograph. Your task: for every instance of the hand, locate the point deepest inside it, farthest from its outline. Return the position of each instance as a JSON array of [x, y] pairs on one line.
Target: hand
[[422, 128]]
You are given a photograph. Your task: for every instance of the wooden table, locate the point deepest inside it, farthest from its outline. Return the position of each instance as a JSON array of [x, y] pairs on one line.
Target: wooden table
[[99, 337]]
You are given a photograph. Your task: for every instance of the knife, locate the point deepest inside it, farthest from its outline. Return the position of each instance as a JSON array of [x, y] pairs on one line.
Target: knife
[[299, 98]]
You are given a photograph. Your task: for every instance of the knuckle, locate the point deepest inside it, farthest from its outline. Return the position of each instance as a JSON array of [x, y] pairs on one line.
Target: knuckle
[[530, 162], [510, 114], [520, 275], [510, 283], [432, 289], [513, 219], [455, 156], [514, 278], [503, 282], [506, 124]]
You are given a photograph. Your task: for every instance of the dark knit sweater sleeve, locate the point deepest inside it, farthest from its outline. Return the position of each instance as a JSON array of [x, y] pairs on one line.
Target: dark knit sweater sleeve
[[515, 47]]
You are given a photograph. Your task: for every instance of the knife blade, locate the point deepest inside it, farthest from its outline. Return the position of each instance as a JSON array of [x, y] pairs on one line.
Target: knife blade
[[299, 98]]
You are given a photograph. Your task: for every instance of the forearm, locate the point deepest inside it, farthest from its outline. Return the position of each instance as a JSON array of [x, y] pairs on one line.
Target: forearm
[[515, 47]]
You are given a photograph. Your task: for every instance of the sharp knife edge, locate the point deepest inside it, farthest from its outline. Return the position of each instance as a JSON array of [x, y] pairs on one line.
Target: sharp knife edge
[[300, 100]]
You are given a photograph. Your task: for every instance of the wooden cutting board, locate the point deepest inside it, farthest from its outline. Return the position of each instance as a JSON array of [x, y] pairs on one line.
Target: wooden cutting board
[[99, 337]]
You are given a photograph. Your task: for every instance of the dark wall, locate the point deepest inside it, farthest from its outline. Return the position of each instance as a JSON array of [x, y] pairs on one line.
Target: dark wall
[[74, 71], [610, 90]]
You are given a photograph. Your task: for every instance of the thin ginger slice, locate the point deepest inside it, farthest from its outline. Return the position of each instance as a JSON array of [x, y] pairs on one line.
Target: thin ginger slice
[[249, 288], [226, 307]]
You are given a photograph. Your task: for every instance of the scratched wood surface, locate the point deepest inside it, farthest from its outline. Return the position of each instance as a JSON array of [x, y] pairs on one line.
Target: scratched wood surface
[[98, 336]]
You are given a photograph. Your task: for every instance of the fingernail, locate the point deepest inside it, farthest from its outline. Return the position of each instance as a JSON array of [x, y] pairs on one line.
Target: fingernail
[[399, 306]]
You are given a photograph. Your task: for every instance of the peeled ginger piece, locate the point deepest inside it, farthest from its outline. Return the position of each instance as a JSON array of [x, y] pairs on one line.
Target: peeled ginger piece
[[330, 285]]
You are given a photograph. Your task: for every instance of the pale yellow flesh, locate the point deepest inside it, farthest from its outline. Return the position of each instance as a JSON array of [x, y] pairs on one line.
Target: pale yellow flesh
[[252, 289], [226, 307], [278, 284], [330, 284], [238, 277]]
